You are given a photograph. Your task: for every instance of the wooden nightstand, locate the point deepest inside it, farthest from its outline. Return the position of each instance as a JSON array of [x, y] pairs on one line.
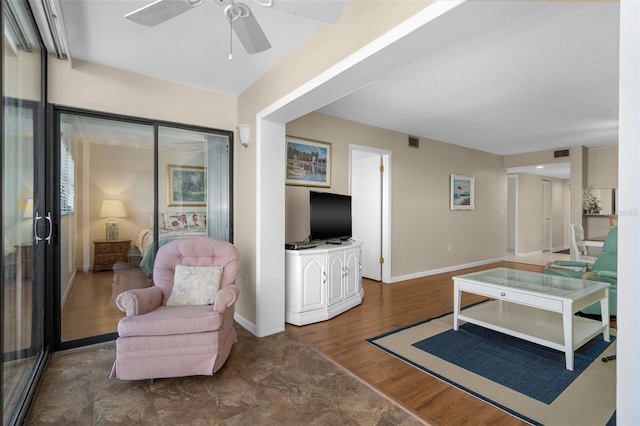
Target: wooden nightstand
[[107, 252]]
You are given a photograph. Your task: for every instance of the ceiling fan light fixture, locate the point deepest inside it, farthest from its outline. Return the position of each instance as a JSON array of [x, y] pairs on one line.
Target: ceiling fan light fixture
[[236, 11]]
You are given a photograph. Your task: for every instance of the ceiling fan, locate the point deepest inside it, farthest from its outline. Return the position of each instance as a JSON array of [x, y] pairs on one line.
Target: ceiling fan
[[240, 17]]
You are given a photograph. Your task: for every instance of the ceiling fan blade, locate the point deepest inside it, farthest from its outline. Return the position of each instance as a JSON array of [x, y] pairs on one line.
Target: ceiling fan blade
[[320, 10], [160, 11], [250, 34]]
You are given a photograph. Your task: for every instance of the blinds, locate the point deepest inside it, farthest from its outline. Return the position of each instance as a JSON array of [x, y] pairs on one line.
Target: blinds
[[67, 181]]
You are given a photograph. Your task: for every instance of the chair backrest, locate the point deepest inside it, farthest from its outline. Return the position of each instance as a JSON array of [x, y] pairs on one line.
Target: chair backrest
[[608, 259], [577, 240], [199, 251]]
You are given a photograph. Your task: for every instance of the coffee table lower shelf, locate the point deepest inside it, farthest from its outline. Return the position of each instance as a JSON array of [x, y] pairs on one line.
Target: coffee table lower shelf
[[532, 324]]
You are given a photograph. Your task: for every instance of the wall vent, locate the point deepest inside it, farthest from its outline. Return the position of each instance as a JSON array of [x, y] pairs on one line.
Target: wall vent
[[414, 142], [561, 153]]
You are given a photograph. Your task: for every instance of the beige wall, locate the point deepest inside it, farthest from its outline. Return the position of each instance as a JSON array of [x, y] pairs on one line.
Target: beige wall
[[99, 88], [423, 226], [603, 167]]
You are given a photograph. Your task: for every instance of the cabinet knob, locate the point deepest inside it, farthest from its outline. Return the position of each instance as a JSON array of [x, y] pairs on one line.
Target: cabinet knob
[[503, 294]]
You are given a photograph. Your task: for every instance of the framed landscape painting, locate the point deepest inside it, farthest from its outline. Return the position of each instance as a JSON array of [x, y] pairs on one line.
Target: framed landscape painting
[[186, 185], [308, 162], [462, 192]]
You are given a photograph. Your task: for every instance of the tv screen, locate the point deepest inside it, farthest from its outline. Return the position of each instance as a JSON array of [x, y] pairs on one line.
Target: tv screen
[[330, 216]]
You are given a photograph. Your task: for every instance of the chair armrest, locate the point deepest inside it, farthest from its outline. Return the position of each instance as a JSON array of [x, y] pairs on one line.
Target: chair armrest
[[592, 243], [607, 274], [604, 274], [567, 263], [225, 298], [572, 263], [139, 301]]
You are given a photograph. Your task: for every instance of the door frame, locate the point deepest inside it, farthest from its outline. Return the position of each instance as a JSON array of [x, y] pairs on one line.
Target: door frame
[[386, 156]]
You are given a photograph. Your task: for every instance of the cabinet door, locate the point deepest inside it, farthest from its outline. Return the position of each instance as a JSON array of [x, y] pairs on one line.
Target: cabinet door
[[352, 272], [314, 281], [335, 265]]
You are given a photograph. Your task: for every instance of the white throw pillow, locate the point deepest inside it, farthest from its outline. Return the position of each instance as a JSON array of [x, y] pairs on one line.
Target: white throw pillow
[[195, 285]]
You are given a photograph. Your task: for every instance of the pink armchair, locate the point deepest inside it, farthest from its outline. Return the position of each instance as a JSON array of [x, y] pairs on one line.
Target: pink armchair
[[159, 341]]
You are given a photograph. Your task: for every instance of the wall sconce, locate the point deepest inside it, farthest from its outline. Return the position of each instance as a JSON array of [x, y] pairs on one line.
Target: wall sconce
[[244, 131], [112, 209]]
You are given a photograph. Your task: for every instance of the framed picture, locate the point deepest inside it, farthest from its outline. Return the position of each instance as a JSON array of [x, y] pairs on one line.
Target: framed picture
[[186, 186], [308, 162], [462, 192]]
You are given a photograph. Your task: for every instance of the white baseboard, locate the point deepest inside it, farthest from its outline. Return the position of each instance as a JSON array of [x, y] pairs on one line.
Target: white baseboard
[[443, 270], [251, 327], [68, 290], [531, 253], [246, 324]]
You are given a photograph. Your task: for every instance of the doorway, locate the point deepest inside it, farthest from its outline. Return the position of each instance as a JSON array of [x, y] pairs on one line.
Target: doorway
[[370, 174]]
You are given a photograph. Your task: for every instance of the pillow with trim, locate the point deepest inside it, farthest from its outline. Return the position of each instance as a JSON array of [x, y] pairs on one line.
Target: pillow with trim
[[195, 285], [176, 221], [196, 220]]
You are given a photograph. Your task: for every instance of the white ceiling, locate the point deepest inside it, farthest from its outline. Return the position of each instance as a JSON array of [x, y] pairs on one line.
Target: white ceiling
[[514, 77]]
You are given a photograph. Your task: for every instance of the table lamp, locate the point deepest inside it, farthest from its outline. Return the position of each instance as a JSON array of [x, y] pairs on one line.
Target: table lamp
[[28, 209], [112, 209]]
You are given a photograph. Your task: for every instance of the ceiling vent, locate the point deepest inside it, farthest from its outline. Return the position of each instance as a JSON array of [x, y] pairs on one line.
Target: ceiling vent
[[561, 153], [414, 142]]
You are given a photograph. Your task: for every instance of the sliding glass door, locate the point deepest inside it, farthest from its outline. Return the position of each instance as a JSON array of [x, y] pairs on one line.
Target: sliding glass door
[[127, 187], [106, 169], [24, 221]]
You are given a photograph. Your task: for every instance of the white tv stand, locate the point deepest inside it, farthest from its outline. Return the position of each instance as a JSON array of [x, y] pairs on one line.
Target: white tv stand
[[322, 282]]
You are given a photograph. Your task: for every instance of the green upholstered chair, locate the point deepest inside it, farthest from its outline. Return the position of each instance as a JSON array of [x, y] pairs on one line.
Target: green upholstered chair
[[604, 269]]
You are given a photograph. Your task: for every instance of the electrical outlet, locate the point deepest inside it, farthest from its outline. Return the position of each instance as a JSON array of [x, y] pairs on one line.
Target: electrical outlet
[[449, 247]]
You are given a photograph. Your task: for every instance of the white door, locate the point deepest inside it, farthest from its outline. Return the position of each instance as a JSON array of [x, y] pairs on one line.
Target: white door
[[546, 215], [366, 210]]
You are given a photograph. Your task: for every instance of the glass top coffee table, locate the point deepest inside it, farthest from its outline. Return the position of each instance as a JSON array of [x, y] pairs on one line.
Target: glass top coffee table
[[536, 307]]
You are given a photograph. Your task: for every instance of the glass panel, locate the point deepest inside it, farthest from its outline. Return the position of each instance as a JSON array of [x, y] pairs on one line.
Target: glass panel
[[106, 174], [554, 285], [194, 193], [22, 291]]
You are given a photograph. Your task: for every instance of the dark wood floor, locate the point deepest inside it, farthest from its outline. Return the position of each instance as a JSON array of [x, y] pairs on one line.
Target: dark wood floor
[[387, 307], [89, 309]]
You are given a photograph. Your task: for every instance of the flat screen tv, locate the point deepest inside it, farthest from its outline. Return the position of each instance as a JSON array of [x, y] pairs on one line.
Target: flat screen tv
[[330, 216]]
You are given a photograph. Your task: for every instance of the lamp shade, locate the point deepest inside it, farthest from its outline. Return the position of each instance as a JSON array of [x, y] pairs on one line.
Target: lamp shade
[[112, 208], [28, 209]]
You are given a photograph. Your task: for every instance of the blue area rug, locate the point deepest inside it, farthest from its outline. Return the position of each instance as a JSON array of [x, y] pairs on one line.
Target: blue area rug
[[501, 358], [524, 379]]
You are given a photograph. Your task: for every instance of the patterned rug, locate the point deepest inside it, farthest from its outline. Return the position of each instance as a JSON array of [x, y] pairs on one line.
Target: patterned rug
[[525, 379]]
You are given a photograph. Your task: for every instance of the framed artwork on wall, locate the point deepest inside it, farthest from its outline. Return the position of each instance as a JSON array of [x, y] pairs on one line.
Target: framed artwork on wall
[[186, 185], [308, 162], [462, 192]]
